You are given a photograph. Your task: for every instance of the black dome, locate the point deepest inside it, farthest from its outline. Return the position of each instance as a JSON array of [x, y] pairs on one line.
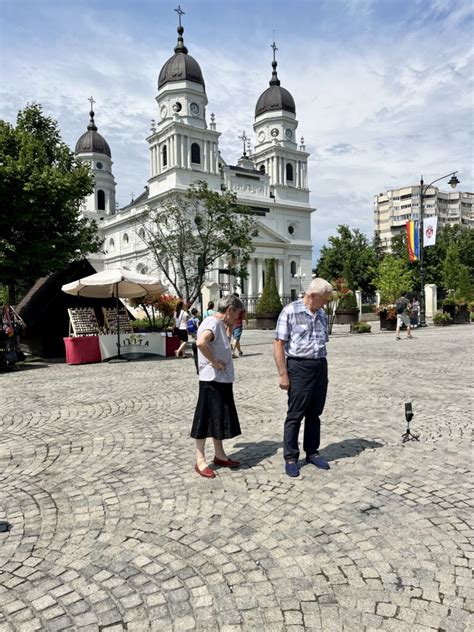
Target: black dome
[[92, 141], [275, 97], [181, 66]]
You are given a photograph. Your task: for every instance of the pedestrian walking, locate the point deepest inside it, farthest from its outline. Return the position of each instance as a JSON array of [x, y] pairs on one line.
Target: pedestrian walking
[[415, 312], [301, 358], [237, 331], [181, 328], [210, 310], [402, 306], [216, 415]]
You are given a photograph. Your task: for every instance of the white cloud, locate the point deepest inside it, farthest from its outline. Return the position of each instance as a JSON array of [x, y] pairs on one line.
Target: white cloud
[[375, 112]]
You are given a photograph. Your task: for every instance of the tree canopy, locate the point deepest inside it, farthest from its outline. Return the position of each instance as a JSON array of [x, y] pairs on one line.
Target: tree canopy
[[393, 279], [42, 186], [350, 255], [189, 233]]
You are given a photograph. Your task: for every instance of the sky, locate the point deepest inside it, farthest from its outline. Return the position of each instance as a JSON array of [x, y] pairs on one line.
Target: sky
[[383, 88]]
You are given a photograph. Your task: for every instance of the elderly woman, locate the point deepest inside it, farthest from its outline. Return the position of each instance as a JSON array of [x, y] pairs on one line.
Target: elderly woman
[[216, 415]]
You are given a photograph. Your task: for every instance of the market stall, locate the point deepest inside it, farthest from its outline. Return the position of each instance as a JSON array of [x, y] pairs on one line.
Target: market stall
[[116, 340]]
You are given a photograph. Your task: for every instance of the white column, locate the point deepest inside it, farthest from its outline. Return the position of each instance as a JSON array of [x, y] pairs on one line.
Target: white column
[[175, 150], [250, 279], [358, 295], [183, 163], [377, 298], [259, 276], [205, 157], [282, 163], [171, 161], [281, 271], [431, 299]]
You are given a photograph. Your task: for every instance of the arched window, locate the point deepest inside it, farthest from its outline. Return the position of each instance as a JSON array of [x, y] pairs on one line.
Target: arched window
[[289, 172], [262, 169], [164, 156], [141, 233], [101, 200], [125, 239], [111, 244], [293, 268], [195, 154]]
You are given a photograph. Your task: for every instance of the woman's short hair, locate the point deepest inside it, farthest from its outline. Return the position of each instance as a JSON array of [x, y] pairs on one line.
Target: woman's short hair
[[319, 286], [229, 301], [210, 305]]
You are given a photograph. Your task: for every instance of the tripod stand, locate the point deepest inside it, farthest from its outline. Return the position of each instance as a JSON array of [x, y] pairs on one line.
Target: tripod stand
[[408, 435]]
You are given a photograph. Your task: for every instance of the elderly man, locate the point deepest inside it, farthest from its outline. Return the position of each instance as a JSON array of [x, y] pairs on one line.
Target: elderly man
[[300, 356]]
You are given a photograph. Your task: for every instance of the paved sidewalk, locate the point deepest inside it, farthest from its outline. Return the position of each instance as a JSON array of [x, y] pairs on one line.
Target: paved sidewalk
[[113, 530]]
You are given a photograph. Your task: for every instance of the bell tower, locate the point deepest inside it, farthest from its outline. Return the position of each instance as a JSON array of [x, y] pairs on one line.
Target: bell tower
[[182, 146], [93, 149]]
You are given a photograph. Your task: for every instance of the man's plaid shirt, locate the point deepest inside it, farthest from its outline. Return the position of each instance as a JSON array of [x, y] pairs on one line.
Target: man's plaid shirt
[[305, 335]]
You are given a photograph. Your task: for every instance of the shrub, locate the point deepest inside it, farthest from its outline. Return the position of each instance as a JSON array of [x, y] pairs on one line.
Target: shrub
[[269, 302], [347, 301], [361, 327], [440, 319]]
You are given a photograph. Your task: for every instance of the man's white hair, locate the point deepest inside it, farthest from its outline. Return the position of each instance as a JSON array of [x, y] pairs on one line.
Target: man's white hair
[[319, 286]]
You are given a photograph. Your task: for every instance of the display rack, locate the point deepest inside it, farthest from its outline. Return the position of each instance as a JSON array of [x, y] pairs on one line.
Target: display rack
[[82, 321], [110, 321]]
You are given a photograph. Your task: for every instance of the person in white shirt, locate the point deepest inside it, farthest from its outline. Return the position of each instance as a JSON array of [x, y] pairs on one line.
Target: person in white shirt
[[216, 415]]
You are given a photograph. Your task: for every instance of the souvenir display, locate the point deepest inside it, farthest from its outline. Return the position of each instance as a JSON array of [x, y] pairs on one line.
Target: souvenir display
[[11, 326], [82, 321], [110, 321]]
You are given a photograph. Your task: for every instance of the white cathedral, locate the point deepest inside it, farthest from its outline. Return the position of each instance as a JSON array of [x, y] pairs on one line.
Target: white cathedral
[[272, 180]]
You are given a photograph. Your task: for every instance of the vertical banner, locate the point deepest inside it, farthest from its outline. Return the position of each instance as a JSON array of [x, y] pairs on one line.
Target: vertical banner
[[413, 244], [429, 231]]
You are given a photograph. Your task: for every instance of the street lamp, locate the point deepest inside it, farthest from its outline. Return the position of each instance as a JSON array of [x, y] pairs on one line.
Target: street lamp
[[423, 189], [301, 276]]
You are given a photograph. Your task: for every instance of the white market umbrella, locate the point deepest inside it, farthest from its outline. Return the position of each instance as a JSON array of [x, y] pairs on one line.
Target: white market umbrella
[[118, 283]]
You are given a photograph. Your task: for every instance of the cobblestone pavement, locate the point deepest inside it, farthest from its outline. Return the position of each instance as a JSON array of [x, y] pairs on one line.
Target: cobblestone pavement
[[113, 530]]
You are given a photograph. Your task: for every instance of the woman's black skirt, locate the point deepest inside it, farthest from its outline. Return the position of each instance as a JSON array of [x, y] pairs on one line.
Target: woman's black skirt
[[215, 415], [183, 335]]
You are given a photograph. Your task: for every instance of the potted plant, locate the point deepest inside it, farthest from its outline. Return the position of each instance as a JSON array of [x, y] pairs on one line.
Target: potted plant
[[388, 317], [361, 327], [347, 311], [457, 308], [269, 304], [441, 319]]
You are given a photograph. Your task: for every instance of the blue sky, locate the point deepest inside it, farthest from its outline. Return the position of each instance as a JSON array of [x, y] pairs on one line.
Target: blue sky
[[383, 88]]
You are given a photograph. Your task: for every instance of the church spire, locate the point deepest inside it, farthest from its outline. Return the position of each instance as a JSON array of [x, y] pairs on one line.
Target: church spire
[[274, 81], [180, 47], [92, 126]]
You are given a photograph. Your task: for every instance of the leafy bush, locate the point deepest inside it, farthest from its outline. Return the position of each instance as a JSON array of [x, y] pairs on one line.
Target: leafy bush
[[361, 327], [347, 301], [440, 319], [269, 302]]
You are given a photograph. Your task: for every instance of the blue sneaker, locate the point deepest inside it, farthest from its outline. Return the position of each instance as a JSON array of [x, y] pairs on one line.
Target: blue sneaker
[[292, 469], [318, 460]]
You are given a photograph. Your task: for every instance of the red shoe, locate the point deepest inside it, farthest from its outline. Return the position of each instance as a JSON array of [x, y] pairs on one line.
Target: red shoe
[[206, 472], [228, 463]]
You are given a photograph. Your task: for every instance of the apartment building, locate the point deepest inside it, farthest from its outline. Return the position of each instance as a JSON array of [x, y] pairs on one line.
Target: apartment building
[[395, 207]]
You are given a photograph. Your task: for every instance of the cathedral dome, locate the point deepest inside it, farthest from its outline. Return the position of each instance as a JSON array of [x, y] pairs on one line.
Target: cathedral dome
[[92, 141], [180, 67], [275, 97]]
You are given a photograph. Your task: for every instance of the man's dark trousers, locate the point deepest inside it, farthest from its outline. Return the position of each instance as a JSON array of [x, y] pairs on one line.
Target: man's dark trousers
[[306, 398]]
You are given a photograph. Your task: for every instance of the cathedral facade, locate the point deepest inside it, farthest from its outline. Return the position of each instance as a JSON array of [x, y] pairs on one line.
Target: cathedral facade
[[271, 180]]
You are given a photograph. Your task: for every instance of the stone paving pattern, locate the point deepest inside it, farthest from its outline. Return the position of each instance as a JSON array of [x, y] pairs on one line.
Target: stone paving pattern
[[113, 530]]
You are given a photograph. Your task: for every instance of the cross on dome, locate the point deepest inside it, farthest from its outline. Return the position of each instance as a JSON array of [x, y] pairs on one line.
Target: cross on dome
[[244, 139], [180, 12]]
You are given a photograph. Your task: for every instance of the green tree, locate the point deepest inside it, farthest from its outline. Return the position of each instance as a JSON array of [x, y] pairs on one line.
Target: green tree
[[464, 290], [42, 186], [349, 255], [270, 301], [393, 279], [451, 268], [188, 233]]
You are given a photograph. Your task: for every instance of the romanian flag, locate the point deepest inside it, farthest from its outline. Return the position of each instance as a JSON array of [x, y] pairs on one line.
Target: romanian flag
[[413, 240]]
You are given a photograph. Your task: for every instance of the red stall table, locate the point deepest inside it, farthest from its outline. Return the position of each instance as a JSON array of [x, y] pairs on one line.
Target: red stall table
[[82, 350]]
